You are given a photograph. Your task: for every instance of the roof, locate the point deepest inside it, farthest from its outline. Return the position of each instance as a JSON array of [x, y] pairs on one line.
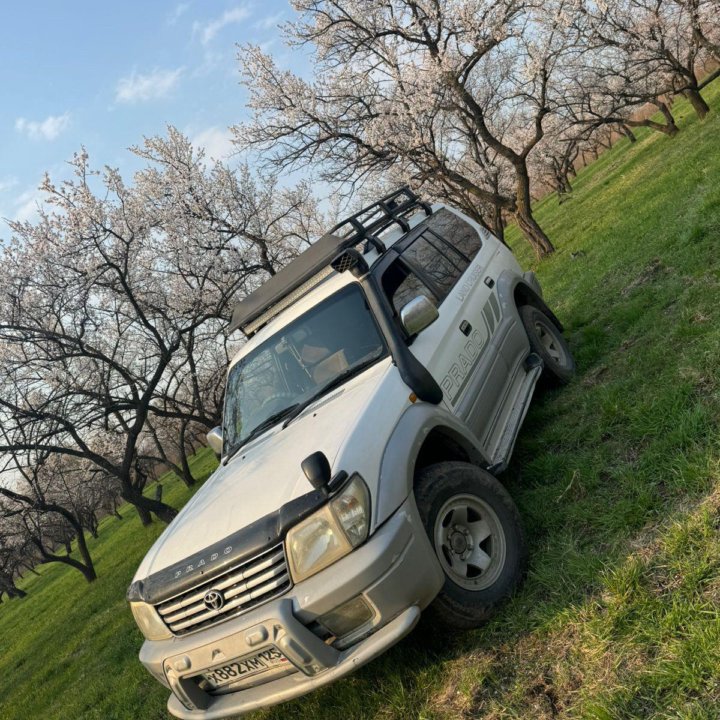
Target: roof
[[303, 268], [314, 264]]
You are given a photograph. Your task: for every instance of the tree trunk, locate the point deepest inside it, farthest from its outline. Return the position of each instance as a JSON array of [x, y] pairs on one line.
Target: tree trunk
[[89, 571], [700, 107], [525, 220], [145, 506], [498, 224], [701, 39], [669, 128], [187, 476], [564, 188], [628, 133], [672, 128], [92, 524], [8, 587], [144, 515], [85, 566]]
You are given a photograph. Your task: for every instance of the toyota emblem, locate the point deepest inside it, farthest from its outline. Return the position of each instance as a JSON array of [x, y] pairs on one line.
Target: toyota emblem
[[214, 600]]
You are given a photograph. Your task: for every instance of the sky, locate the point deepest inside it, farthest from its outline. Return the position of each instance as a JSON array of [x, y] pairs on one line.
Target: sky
[[104, 75]]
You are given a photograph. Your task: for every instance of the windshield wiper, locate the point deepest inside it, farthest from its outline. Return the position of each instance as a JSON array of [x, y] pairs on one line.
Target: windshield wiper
[[337, 380], [261, 428]]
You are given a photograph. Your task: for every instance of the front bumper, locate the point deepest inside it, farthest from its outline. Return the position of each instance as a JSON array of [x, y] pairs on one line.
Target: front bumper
[[395, 571]]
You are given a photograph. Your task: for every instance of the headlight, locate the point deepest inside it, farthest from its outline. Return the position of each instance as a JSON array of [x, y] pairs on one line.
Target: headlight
[[331, 532], [149, 622]]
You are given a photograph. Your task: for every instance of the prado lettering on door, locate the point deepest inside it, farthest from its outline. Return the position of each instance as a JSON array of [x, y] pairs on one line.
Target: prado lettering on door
[[459, 373]]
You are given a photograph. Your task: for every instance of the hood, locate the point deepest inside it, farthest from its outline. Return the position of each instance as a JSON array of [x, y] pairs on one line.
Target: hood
[[263, 475]]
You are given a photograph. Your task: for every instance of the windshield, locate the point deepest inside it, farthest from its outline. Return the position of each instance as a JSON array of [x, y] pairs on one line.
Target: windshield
[[335, 337]]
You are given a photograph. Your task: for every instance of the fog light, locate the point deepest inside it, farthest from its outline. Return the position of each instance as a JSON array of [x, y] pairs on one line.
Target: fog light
[[348, 617]]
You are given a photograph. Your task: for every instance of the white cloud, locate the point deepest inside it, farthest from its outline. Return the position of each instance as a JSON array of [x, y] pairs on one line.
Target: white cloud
[[209, 30], [8, 183], [138, 87], [178, 11], [216, 143], [212, 61], [47, 129], [269, 21]]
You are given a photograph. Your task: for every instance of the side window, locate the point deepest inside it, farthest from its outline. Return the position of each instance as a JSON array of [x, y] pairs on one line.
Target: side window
[[437, 261], [401, 285], [456, 231], [433, 263]]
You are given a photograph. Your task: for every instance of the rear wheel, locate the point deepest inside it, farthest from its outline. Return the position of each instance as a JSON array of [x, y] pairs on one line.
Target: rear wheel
[[475, 530], [547, 341]]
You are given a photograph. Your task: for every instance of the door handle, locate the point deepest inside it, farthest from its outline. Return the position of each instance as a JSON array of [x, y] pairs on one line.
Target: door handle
[[465, 328]]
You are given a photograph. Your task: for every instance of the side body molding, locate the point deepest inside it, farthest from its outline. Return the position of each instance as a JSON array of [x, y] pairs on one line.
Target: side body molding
[[397, 467]]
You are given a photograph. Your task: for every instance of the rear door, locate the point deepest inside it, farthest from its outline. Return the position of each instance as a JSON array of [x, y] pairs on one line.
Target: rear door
[[448, 261]]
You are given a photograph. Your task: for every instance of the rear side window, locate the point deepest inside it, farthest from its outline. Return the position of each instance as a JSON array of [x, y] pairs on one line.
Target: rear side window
[[436, 261], [456, 231]]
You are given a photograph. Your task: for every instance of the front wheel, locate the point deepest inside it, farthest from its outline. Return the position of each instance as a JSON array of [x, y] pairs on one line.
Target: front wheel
[[475, 530]]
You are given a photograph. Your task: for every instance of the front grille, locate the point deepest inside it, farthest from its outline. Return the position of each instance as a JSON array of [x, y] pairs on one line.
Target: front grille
[[243, 587]]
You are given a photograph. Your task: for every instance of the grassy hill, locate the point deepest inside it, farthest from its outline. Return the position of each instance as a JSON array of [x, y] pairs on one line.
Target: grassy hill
[[617, 477]]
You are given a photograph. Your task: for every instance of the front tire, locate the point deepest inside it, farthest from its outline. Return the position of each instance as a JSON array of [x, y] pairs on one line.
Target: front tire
[[475, 529]]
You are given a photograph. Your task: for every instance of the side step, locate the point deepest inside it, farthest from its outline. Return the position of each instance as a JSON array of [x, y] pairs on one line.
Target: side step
[[533, 366]]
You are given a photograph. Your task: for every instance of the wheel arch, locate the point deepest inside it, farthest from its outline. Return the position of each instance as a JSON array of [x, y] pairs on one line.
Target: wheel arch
[[442, 444], [426, 434], [525, 290]]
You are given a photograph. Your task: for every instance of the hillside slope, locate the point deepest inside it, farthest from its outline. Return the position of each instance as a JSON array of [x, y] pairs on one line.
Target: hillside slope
[[617, 477]]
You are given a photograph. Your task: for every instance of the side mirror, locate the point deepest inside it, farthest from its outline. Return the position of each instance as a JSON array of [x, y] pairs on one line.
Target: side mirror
[[317, 470], [416, 315], [215, 441]]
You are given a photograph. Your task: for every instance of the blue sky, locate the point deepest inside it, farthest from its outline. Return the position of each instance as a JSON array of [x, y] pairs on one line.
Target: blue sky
[[104, 75]]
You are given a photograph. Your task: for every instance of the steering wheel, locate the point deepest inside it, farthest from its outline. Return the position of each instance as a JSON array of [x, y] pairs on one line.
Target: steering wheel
[[260, 412], [272, 399]]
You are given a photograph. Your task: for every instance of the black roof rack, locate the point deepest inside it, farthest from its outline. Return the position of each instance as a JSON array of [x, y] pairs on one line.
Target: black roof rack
[[255, 310], [373, 219]]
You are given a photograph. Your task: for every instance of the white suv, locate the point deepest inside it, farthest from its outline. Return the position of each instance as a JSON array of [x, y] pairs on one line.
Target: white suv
[[383, 383]]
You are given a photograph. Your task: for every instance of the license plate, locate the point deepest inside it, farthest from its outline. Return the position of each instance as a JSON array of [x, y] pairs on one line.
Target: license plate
[[247, 667]]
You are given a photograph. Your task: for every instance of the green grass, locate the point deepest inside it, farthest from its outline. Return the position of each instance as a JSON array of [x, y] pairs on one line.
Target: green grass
[[617, 477], [69, 650]]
